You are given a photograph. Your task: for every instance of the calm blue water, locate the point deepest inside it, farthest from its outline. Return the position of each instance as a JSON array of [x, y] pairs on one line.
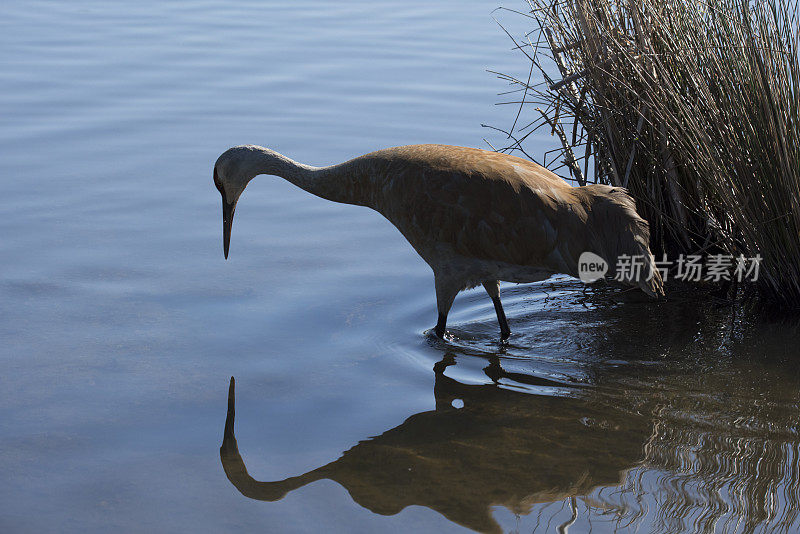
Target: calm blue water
[[122, 324]]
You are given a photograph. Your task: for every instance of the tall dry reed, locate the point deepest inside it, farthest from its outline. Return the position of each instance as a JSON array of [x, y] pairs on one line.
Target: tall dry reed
[[694, 106]]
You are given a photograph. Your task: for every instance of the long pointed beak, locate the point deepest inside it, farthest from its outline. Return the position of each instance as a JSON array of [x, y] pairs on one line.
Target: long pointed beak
[[227, 223]]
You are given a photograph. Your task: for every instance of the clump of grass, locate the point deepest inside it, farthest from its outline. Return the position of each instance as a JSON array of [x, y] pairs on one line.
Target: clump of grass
[[694, 106]]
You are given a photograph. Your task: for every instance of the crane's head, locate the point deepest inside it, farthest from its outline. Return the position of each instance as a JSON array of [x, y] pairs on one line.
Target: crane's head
[[232, 172]]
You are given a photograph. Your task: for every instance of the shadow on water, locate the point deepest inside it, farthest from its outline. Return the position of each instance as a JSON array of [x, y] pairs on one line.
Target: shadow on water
[[500, 448], [676, 417]]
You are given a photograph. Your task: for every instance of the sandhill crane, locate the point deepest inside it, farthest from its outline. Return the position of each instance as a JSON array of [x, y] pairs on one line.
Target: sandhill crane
[[476, 217]]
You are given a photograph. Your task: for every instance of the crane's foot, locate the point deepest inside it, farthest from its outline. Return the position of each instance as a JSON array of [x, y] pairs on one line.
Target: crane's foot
[[505, 331], [504, 335], [440, 326]]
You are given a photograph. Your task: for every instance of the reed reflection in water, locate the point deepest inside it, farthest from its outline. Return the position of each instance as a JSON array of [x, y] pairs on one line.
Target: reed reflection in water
[[696, 430]]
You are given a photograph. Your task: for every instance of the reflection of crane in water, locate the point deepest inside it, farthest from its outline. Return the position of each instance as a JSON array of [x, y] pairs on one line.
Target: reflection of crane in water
[[501, 448], [707, 411], [476, 217]]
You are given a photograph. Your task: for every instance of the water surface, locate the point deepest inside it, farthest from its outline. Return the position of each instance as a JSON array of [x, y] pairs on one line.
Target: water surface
[[122, 324]]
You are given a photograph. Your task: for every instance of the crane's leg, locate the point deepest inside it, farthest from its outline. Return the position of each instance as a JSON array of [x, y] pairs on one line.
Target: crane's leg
[[446, 291], [493, 288]]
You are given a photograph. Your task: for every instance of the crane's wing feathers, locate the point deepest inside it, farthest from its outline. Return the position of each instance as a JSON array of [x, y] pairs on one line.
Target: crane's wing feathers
[[483, 204]]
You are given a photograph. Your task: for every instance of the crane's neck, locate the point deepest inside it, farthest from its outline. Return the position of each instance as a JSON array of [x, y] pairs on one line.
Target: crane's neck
[[339, 183]]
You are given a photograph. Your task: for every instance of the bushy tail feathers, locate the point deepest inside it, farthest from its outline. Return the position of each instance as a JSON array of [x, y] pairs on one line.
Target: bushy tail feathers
[[651, 282], [624, 238]]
